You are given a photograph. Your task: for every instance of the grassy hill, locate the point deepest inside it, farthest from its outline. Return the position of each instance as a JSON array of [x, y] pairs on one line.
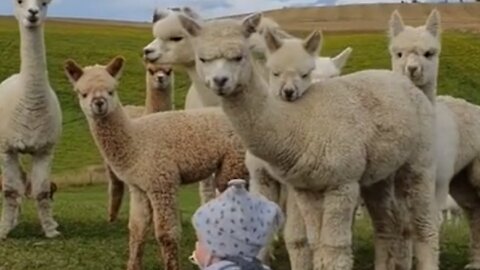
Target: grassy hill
[[93, 43]]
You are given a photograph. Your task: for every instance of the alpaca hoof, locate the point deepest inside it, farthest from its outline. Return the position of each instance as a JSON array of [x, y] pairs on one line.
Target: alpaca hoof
[[52, 234]]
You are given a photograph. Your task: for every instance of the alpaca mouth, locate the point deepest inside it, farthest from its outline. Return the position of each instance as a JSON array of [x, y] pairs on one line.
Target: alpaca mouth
[[33, 19]]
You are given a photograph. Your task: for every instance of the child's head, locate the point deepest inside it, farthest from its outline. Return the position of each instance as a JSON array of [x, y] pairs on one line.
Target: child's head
[[236, 223]]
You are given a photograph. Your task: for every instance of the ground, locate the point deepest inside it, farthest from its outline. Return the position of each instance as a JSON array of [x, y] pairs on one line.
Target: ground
[[89, 242]]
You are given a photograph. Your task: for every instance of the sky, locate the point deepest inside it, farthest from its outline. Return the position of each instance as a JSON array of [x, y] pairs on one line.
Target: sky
[[141, 10]]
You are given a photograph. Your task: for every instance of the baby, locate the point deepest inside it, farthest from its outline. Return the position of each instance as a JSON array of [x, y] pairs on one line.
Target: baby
[[232, 228]]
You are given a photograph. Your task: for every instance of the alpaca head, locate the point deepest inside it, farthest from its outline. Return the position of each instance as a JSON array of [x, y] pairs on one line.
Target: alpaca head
[[329, 67], [96, 86], [291, 62], [31, 13], [222, 52], [160, 75], [415, 50], [171, 44], [256, 40]]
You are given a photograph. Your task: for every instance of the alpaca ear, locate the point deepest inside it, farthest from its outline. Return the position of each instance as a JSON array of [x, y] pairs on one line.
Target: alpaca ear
[[396, 24], [191, 13], [313, 42], [273, 42], [115, 67], [190, 25], [341, 59], [73, 71], [433, 23], [251, 23], [159, 14]]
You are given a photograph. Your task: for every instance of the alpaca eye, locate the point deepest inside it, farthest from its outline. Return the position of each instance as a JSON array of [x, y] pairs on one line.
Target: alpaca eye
[[203, 60], [176, 39], [429, 54], [20, 2], [399, 55], [304, 76], [110, 93], [237, 59], [84, 95], [276, 74], [44, 4]]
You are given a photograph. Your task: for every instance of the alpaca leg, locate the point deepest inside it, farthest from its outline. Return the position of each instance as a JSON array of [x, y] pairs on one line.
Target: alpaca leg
[[330, 236], [116, 189], [295, 235], [392, 245], [416, 188], [165, 216], [465, 193], [206, 189], [13, 189], [41, 164], [139, 220]]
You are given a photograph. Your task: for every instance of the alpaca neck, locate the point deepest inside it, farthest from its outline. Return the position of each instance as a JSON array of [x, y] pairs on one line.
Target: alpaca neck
[[33, 67], [430, 90], [158, 100], [113, 136], [251, 111], [207, 97]]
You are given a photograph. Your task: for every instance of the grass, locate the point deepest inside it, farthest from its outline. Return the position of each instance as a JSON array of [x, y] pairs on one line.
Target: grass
[[89, 242]]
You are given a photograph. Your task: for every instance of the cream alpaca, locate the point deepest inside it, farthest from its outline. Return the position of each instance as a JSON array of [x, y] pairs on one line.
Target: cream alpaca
[[152, 158], [348, 132], [457, 125], [30, 121], [159, 92], [171, 46]]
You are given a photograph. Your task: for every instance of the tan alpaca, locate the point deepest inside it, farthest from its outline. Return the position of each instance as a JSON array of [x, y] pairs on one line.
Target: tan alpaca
[[159, 92], [415, 53], [346, 133], [155, 154]]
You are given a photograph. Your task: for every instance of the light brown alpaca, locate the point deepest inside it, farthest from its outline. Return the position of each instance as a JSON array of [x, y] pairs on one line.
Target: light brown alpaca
[[159, 81], [155, 154]]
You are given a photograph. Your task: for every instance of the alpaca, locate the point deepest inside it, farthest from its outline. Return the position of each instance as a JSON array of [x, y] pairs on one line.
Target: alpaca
[[452, 211], [155, 154], [415, 52], [159, 97], [176, 49], [347, 132], [30, 122], [172, 46]]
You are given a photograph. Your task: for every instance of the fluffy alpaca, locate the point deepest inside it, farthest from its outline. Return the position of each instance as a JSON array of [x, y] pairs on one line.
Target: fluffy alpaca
[[30, 122], [348, 132], [159, 93], [171, 46], [415, 52], [153, 160], [452, 211]]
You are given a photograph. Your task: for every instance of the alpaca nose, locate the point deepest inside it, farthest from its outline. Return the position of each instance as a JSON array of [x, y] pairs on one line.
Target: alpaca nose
[[147, 51], [412, 69], [288, 93], [99, 103], [32, 11], [220, 81]]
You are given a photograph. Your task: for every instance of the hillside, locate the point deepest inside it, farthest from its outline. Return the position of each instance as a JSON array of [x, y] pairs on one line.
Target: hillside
[[90, 43], [374, 17]]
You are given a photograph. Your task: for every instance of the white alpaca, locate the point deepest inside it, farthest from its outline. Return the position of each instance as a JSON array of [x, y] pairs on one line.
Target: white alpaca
[[348, 132], [172, 46], [415, 53], [30, 121]]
